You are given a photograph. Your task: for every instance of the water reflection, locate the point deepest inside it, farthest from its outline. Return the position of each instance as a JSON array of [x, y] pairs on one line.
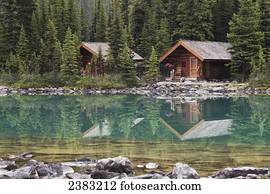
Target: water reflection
[[135, 118], [207, 134]]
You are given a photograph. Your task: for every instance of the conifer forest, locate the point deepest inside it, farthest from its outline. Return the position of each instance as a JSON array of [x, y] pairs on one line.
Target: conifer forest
[[39, 39]]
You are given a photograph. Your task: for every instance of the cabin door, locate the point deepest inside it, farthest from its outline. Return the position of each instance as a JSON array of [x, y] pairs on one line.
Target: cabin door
[[184, 68]]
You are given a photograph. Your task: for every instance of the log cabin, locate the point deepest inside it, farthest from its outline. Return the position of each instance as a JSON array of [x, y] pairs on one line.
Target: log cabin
[[196, 60], [89, 52]]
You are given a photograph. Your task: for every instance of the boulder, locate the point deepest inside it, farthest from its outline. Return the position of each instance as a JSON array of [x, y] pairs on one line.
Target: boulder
[[119, 164], [101, 174], [184, 171], [78, 176], [5, 164], [28, 172], [241, 172]]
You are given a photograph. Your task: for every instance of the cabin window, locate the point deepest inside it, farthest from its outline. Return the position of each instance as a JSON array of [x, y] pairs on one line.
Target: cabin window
[[193, 62]]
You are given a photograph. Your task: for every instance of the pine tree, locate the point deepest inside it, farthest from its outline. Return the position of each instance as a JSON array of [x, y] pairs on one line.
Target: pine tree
[[152, 74], [222, 14], [163, 38], [100, 34], [246, 39], [73, 17], [85, 28], [4, 51], [13, 64], [23, 52], [51, 56], [35, 34], [70, 65], [43, 10], [128, 69], [258, 65], [264, 6], [10, 24], [194, 20], [117, 36]]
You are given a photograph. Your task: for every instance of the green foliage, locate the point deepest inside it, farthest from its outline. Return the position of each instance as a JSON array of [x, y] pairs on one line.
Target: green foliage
[[51, 54], [70, 65], [117, 37], [153, 72], [163, 38], [194, 20], [128, 69], [100, 34], [246, 39], [73, 17], [12, 64], [106, 82]]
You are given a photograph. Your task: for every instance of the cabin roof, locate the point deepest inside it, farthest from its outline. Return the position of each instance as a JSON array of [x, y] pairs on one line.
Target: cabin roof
[[204, 50], [94, 47]]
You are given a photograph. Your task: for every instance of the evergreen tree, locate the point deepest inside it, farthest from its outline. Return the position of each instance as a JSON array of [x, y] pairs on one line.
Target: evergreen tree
[[35, 34], [85, 28], [152, 74], [100, 34], [194, 20], [73, 17], [222, 14], [43, 10], [23, 47], [51, 56], [246, 39], [264, 6], [13, 63], [4, 51], [128, 69], [163, 38], [117, 36], [258, 66], [70, 65], [10, 24]]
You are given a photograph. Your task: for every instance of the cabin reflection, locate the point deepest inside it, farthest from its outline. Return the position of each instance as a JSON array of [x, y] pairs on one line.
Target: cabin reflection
[[197, 119]]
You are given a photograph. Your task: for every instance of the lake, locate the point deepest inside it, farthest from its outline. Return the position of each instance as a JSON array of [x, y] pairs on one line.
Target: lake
[[206, 134]]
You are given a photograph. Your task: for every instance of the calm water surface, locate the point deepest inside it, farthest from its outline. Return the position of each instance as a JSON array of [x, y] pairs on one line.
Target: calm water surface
[[207, 134]]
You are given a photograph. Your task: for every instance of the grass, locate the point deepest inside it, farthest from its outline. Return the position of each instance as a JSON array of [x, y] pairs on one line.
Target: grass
[[55, 80]]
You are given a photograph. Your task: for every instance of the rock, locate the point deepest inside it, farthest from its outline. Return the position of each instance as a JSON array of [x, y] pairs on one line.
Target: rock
[[104, 174], [268, 91], [4, 164], [77, 176], [11, 166], [228, 173], [119, 164], [140, 166], [59, 169], [80, 164], [27, 172], [27, 155], [34, 163], [151, 176], [121, 176], [184, 171], [44, 170], [151, 166]]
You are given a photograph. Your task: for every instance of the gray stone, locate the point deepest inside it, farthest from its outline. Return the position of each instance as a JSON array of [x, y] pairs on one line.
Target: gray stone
[[27, 172], [80, 164], [119, 164], [5, 164], [101, 174], [184, 171], [78, 176], [229, 173]]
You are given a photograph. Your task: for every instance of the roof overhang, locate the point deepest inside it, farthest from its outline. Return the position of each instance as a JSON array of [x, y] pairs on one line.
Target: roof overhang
[[88, 49], [177, 45]]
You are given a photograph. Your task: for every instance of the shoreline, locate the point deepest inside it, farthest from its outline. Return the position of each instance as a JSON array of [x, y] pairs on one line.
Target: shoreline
[[158, 90], [23, 166]]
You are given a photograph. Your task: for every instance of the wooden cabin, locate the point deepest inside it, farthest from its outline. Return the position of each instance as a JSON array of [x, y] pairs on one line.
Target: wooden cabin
[[89, 52], [196, 60]]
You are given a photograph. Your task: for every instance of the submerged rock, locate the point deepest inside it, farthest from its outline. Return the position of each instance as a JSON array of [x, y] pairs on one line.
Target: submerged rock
[[184, 171], [241, 172], [80, 164], [151, 166], [119, 164]]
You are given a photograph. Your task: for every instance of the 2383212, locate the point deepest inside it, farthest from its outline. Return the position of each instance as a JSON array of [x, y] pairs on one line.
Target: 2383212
[[92, 185]]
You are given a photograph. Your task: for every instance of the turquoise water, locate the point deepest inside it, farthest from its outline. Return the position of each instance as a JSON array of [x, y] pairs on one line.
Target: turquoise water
[[207, 134]]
